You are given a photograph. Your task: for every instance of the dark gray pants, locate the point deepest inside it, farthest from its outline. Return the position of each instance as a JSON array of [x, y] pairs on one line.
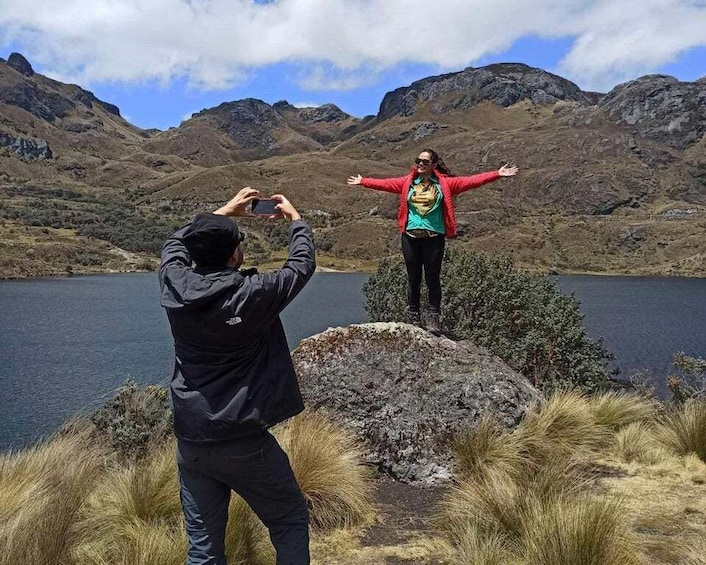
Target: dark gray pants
[[258, 470]]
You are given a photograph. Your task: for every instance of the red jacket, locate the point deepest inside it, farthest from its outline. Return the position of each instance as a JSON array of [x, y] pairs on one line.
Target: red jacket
[[450, 187]]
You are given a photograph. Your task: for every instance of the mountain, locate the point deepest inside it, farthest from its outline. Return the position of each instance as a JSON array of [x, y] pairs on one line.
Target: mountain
[[251, 129], [612, 182]]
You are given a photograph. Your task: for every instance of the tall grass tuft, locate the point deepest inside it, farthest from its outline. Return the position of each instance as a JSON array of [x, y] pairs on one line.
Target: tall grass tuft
[[486, 452], [501, 506], [135, 511], [615, 410], [491, 550], [327, 462], [247, 539], [134, 517], [695, 552], [42, 491], [562, 426], [137, 543], [579, 530], [684, 430], [636, 442]]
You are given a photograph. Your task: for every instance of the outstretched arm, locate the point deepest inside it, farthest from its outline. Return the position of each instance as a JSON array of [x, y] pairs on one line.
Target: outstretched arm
[[462, 184], [395, 184]]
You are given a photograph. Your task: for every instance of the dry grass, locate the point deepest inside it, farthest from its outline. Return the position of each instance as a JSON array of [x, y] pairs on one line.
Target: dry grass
[[636, 442], [41, 493], [501, 506], [247, 539], [666, 505], [684, 431], [549, 519], [327, 463], [579, 530], [134, 517], [525, 497], [615, 410], [485, 452], [563, 426]]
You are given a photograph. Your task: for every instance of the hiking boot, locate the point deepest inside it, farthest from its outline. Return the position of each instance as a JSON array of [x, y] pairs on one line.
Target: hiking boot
[[412, 317], [433, 323]]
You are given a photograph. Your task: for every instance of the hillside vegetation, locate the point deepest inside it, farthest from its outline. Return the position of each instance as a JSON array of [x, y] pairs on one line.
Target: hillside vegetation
[[609, 183]]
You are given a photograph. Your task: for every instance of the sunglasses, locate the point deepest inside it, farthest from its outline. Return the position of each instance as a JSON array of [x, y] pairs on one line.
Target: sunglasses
[[241, 237], [424, 162]]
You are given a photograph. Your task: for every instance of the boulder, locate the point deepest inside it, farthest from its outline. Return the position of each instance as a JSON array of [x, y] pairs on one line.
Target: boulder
[[26, 149], [406, 392]]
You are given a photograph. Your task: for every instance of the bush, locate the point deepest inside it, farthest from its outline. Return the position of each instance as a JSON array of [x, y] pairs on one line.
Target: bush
[[523, 319], [134, 420], [689, 380]]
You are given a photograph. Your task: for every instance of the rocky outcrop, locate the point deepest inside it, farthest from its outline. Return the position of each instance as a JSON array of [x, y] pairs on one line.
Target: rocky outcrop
[[660, 107], [503, 84], [46, 105], [251, 123], [26, 149], [406, 392], [324, 124], [42, 97], [20, 64], [327, 113]]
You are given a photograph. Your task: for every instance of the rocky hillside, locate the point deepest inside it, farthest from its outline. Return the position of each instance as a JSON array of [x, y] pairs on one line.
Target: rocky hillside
[[611, 182]]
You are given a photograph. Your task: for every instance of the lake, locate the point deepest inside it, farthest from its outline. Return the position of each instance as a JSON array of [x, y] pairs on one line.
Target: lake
[[67, 343]]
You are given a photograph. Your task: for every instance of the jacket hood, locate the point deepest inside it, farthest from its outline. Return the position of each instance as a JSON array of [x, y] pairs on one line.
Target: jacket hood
[[187, 289]]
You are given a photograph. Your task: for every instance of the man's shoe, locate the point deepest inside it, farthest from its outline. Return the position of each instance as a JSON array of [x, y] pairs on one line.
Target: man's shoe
[[412, 317], [433, 323]]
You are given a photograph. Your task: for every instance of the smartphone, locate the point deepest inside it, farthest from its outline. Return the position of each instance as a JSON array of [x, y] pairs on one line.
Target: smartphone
[[265, 207]]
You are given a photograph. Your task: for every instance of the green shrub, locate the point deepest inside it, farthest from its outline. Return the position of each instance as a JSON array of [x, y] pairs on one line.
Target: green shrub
[[689, 380], [134, 420], [523, 319]]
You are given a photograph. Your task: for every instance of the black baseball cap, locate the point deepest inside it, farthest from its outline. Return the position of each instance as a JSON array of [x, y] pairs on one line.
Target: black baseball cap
[[211, 240]]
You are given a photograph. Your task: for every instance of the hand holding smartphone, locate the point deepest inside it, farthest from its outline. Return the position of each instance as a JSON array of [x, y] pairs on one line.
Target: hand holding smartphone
[[265, 207]]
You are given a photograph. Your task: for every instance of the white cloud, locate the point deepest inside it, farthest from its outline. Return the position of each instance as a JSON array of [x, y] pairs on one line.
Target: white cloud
[[341, 44], [306, 104]]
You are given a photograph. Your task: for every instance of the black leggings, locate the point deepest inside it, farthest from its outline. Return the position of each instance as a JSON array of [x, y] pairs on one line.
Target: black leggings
[[427, 253]]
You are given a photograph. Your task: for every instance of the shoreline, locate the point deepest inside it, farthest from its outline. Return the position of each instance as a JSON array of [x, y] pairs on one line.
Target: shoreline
[[321, 269]]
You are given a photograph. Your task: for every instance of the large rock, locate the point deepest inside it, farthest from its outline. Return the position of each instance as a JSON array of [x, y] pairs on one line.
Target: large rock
[[406, 392], [20, 64], [26, 149], [660, 107]]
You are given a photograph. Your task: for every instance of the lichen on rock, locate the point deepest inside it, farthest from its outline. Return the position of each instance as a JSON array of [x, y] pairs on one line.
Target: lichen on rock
[[406, 392]]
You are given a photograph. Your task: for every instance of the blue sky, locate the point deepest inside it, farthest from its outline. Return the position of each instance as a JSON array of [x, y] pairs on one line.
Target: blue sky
[[161, 60]]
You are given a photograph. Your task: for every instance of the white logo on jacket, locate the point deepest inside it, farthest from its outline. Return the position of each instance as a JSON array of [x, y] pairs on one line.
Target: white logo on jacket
[[234, 321]]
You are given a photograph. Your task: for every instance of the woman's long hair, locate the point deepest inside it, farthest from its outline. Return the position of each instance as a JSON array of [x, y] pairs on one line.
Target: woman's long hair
[[439, 164]]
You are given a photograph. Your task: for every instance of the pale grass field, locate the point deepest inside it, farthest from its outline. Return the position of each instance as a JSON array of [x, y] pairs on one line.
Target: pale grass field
[[582, 480]]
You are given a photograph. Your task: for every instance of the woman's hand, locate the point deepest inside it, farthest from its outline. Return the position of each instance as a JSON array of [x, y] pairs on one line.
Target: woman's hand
[[507, 171], [237, 205], [355, 179]]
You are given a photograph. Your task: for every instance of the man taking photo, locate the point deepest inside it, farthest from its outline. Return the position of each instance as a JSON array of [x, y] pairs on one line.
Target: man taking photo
[[234, 378]]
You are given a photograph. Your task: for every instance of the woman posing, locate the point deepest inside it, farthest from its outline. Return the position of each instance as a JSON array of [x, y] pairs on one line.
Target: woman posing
[[426, 218]]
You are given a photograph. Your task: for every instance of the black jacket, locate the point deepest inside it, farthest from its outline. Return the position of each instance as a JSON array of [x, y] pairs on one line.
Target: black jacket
[[233, 374]]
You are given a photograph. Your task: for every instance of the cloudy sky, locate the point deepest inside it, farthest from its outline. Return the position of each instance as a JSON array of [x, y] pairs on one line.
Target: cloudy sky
[[160, 60]]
